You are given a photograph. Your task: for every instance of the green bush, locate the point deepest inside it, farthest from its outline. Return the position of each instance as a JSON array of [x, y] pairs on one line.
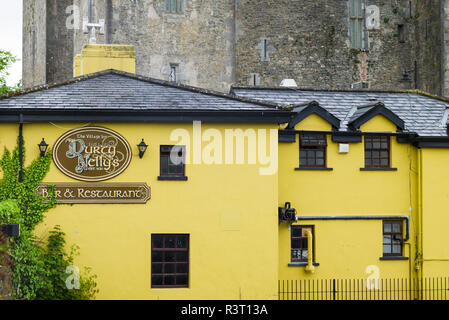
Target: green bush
[[40, 269]]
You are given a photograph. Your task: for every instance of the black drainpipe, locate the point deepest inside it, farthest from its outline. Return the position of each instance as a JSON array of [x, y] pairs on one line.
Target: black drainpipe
[[21, 147]]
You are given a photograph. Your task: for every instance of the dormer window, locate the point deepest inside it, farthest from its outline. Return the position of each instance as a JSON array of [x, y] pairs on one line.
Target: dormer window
[[377, 152], [312, 151]]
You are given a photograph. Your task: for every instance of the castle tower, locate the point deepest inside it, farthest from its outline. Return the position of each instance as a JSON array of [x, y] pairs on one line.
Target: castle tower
[[342, 44]]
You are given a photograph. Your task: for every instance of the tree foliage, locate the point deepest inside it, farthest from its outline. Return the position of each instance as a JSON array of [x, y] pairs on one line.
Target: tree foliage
[[6, 60]]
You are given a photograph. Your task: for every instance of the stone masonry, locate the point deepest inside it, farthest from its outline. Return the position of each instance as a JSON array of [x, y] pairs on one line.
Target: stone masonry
[[216, 44]]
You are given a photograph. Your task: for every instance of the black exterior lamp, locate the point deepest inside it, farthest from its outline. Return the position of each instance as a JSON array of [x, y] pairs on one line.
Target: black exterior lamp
[[43, 147], [142, 148]]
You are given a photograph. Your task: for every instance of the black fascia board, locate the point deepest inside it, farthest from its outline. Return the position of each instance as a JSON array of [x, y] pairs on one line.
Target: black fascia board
[[127, 115], [314, 107], [431, 142], [338, 137], [287, 135], [379, 108]]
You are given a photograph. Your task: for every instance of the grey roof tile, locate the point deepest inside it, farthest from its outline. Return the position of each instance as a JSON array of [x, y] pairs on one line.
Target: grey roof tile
[[115, 90], [421, 114]]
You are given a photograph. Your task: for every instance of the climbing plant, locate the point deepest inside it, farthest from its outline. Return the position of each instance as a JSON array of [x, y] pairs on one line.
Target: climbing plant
[[40, 269]]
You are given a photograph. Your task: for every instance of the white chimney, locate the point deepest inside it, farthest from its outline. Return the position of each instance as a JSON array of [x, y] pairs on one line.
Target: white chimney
[[288, 83]]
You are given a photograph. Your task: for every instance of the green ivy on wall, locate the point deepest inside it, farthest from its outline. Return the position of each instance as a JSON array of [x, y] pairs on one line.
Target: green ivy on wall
[[40, 269]]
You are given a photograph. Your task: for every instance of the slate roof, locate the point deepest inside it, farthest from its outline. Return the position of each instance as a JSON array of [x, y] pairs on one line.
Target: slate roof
[[422, 114], [116, 90]]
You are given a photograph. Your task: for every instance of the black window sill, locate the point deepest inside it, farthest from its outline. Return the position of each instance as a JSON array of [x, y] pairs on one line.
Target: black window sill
[[162, 178], [393, 258], [378, 169], [313, 169], [301, 264]]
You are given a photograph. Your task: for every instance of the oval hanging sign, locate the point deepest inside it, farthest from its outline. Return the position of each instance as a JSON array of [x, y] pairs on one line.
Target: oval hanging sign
[[92, 154]]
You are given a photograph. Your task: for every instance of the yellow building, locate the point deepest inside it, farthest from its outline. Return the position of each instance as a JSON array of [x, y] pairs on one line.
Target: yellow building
[[236, 193]]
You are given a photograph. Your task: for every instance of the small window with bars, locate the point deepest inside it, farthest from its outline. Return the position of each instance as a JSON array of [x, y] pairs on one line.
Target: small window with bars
[[299, 243], [173, 6], [392, 238], [377, 152], [312, 151], [172, 161], [356, 24], [169, 260]]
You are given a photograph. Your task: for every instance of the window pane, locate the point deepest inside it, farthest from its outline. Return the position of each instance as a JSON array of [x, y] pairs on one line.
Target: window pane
[[304, 243], [156, 280], [170, 241], [157, 256], [387, 227], [384, 162], [296, 232], [181, 280], [396, 227], [169, 268], [158, 241], [360, 33], [396, 249], [181, 242], [156, 268], [387, 248], [387, 238], [320, 162], [181, 268], [181, 256], [310, 161], [319, 154], [169, 280], [304, 255], [169, 257], [296, 243], [296, 254], [302, 161]]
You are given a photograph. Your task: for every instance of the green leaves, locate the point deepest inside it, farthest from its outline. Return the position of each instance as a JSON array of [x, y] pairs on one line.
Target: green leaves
[[38, 267], [6, 60], [30, 203]]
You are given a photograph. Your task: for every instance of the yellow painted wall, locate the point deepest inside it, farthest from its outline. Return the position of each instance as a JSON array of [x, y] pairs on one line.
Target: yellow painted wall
[[435, 212], [115, 238], [344, 249]]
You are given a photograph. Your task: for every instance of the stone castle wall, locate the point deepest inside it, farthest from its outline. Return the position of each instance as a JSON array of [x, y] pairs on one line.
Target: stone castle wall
[[215, 44]]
